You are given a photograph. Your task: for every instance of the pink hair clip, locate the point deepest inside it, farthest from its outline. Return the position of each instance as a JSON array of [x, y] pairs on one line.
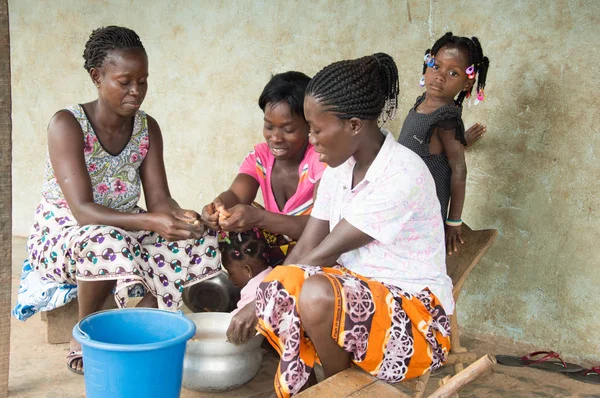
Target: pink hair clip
[[470, 71], [480, 96]]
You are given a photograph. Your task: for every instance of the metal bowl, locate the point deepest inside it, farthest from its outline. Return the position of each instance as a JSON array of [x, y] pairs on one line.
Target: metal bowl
[[211, 363], [216, 294]]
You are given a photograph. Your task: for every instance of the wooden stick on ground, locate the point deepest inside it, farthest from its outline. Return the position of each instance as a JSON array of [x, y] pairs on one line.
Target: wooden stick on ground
[[477, 369]]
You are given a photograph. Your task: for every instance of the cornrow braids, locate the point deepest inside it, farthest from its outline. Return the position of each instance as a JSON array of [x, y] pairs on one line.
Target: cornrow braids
[[239, 246], [366, 88], [474, 53], [103, 40]]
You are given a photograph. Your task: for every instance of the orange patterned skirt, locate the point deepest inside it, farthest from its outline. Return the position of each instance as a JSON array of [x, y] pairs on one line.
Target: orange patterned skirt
[[392, 334]]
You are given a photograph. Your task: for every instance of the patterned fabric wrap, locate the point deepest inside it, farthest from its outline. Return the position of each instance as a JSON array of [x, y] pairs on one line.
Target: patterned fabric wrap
[[62, 251], [115, 178], [389, 333], [280, 246], [37, 295]]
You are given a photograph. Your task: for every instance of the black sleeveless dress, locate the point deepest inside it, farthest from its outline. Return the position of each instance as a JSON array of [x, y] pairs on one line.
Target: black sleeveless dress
[[416, 136]]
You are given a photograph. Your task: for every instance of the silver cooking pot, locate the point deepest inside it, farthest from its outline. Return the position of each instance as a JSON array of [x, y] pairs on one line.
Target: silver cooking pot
[[211, 363]]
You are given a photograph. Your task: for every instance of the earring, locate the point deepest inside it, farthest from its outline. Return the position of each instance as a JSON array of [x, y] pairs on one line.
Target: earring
[[422, 81]]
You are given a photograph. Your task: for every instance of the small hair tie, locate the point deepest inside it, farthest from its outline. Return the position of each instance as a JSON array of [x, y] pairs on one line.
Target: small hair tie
[[247, 250], [240, 236], [470, 71], [429, 60], [237, 254]]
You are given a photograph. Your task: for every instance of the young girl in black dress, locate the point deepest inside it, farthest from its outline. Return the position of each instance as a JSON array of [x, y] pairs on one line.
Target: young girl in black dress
[[434, 128]]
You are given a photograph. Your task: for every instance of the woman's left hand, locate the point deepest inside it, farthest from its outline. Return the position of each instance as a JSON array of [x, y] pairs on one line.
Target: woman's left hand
[[243, 325], [241, 218], [453, 238]]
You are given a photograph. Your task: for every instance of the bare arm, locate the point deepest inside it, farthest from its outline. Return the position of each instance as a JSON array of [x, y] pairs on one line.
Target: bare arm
[[244, 217], [344, 238], [65, 146], [243, 190], [316, 230], [455, 153]]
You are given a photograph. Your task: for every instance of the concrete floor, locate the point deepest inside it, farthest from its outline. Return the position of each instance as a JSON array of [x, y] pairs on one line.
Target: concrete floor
[[39, 370]]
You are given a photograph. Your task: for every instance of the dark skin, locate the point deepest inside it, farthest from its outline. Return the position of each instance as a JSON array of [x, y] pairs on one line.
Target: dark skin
[[444, 81], [122, 87], [287, 136], [474, 133], [241, 271], [336, 140]]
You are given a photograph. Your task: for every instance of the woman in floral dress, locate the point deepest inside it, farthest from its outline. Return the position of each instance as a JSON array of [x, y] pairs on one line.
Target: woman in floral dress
[[88, 229]]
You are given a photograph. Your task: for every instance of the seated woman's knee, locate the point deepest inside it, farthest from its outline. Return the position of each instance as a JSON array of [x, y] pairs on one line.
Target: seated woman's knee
[[316, 299]]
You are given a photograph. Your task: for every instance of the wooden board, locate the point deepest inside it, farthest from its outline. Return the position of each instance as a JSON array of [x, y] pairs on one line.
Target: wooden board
[[459, 265], [352, 382]]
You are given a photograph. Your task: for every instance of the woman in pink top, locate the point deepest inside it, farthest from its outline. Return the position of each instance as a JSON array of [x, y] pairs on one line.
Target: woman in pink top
[[286, 168]]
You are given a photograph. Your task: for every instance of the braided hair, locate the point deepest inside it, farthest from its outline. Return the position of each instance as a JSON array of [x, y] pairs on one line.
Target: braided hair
[[239, 246], [288, 87], [474, 54], [366, 88], [106, 39]]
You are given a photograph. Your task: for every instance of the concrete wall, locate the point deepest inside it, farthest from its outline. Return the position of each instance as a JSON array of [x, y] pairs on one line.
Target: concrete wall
[[531, 177]]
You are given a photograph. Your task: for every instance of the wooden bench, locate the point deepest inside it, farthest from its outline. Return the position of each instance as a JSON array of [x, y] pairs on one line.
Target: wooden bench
[[356, 383], [459, 266]]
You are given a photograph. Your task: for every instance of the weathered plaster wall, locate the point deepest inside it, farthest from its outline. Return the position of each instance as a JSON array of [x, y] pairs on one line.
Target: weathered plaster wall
[[533, 177]]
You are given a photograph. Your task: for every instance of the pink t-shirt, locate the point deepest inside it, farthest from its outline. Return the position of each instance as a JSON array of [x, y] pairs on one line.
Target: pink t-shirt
[[259, 164]]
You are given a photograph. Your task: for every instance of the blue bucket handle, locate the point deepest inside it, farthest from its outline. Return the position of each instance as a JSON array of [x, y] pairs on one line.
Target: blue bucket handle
[[85, 336], [82, 334]]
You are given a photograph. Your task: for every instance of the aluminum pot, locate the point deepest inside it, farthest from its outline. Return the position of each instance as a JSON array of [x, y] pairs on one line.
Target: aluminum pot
[[211, 363]]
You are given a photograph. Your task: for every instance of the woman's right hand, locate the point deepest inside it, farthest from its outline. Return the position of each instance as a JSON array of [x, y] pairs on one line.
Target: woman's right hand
[[210, 214], [243, 325], [172, 229]]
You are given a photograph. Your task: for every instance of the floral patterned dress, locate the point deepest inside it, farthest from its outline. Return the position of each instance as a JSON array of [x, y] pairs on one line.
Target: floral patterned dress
[[63, 251]]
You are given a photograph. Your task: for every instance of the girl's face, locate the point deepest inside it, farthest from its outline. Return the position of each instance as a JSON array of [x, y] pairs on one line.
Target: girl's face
[[447, 77], [239, 273], [123, 80], [332, 137], [285, 132]]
